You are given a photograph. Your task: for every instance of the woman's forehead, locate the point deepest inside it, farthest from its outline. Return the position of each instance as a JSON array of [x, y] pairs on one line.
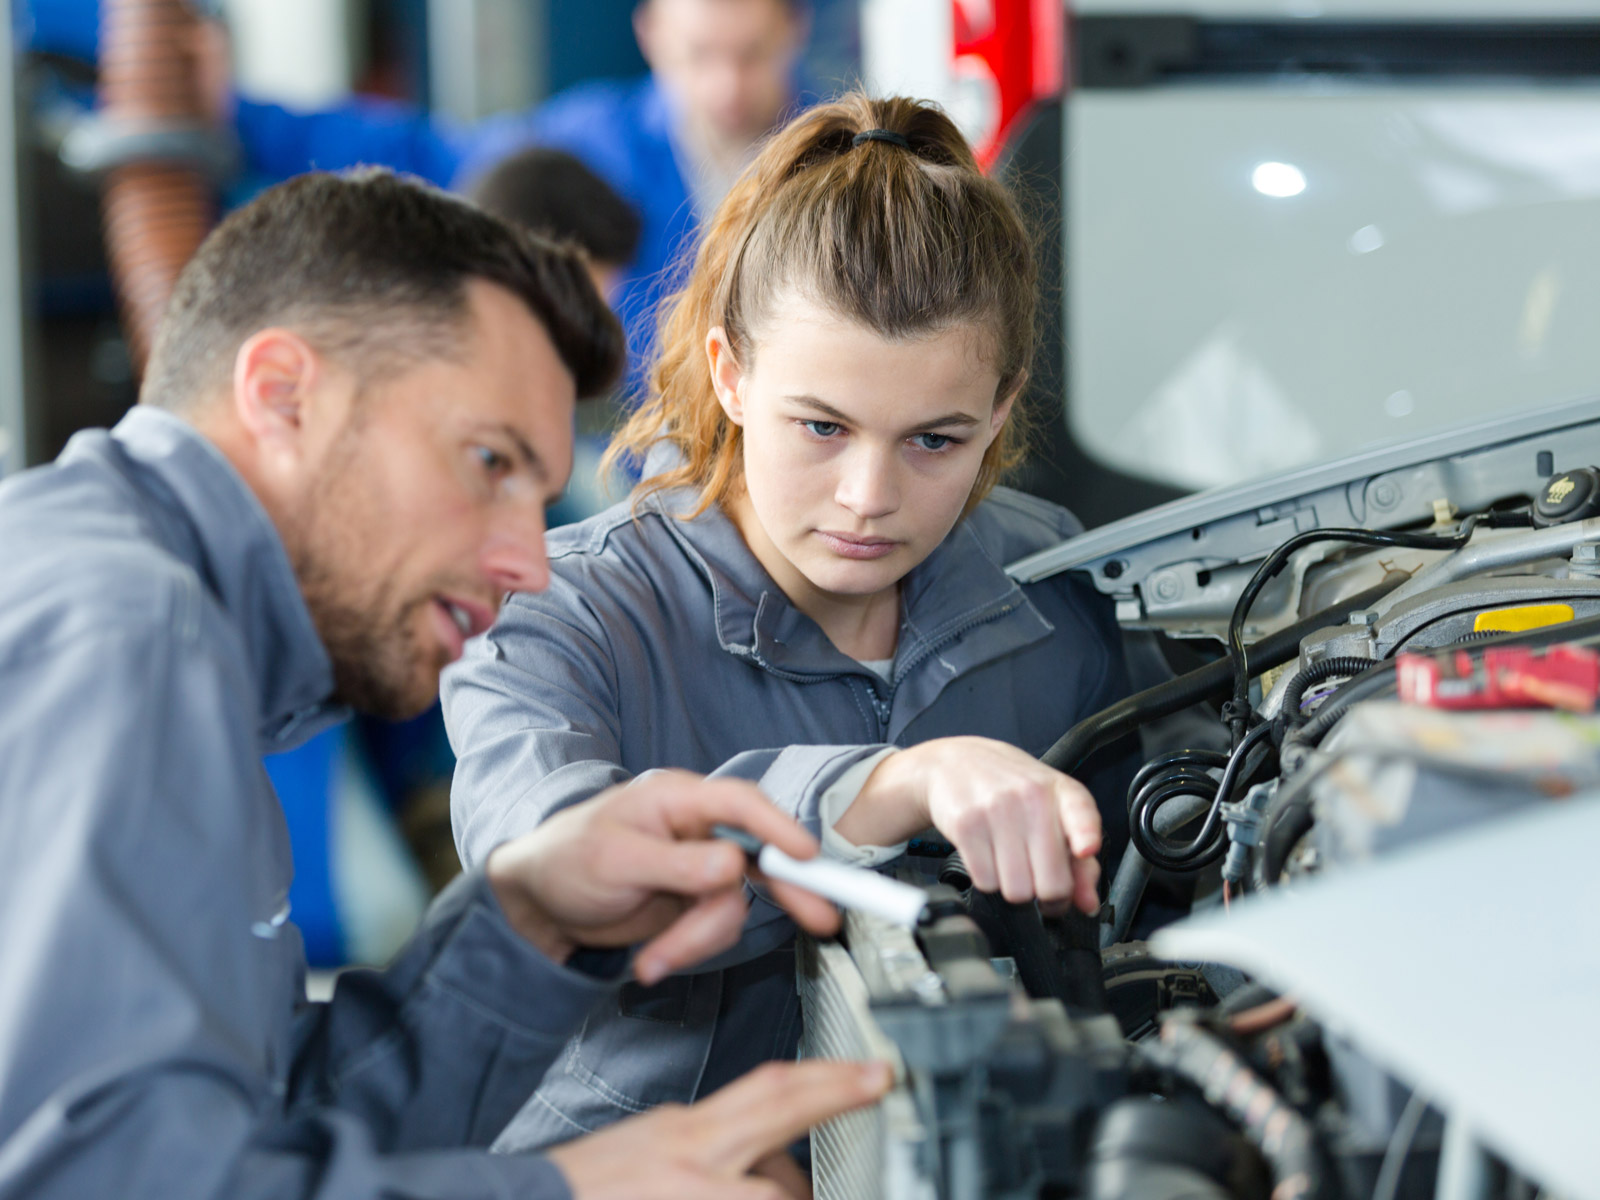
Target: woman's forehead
[[822, 362]]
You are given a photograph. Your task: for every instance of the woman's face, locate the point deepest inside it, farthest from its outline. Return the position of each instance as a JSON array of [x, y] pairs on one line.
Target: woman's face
[[859, 452]]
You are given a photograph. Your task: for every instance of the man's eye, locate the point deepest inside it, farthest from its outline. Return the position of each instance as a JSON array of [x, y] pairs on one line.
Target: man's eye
[[933, 441], [822, 429]]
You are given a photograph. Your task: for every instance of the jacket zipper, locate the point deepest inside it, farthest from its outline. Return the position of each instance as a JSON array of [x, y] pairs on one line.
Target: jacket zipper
[[883, 706]]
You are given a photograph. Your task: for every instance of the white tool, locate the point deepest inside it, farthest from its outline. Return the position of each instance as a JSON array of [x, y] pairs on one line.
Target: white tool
[[849, 887]]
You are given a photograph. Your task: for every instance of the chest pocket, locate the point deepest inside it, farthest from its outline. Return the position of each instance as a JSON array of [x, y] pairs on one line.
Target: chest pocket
[[650, 1049]]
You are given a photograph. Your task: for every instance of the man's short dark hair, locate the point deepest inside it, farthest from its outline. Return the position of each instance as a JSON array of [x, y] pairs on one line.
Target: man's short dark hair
[[372, 269], [552, 192]]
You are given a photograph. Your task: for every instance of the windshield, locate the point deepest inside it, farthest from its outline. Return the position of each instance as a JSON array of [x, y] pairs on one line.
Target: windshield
[[1262, 277]]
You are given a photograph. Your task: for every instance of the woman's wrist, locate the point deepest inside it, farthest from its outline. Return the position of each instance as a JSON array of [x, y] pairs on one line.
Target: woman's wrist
[[892, 803]]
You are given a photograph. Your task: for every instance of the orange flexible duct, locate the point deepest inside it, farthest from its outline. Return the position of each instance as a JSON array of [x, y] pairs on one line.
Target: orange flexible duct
[[156, 214]]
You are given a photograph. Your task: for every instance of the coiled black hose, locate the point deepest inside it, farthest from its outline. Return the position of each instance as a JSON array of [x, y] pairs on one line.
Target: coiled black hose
[[1186, 773]]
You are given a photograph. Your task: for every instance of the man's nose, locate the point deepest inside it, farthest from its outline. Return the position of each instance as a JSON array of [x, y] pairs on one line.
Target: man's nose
[[868, 484], [513, 555]]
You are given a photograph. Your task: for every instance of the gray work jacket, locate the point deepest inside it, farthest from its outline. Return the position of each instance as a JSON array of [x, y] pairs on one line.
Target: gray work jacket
[[662, 642], [154, 1036]]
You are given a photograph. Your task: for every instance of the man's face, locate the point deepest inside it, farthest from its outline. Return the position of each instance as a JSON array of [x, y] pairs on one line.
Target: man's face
[[728, 64], [428, 506]]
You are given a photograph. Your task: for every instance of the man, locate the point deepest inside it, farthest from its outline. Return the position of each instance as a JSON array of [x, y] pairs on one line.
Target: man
[[553, 193], [355, 410], [722, 74]]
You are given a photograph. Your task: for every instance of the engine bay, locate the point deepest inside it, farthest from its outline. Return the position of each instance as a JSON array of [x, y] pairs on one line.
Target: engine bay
[[1390, 673]]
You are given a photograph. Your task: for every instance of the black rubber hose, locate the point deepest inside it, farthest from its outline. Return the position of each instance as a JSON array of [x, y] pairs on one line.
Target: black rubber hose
[[1370, 683], [1239, 653], [1327, 668], [1212, 680]]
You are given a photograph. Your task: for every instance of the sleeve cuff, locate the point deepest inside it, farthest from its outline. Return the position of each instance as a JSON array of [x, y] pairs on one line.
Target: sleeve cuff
[[836, 801]]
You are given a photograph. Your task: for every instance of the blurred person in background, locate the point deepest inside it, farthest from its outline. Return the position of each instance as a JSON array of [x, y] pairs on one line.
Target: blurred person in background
[[552, 192], [722, 75]]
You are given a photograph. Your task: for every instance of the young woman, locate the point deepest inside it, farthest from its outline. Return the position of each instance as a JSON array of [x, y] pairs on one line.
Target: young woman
[[807, 590]]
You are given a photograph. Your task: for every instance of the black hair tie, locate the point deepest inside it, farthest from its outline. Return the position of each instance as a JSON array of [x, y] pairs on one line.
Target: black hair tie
[[881, 135]]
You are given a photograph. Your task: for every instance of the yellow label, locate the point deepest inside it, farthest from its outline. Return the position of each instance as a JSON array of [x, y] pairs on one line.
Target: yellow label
[[1560, 490], [1527, 616]]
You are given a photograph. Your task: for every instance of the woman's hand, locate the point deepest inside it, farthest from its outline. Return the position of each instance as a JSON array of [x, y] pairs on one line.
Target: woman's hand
[[1023, 829]]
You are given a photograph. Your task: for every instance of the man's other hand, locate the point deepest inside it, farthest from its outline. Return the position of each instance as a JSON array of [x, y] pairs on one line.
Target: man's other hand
[[724, 1147], [637, 864]]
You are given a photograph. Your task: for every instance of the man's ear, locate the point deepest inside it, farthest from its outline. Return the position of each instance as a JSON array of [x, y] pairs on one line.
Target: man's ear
[[274, 375], [726, 375]]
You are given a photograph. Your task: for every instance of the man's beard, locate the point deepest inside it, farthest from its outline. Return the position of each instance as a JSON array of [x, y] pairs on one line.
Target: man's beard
[[369, 632]]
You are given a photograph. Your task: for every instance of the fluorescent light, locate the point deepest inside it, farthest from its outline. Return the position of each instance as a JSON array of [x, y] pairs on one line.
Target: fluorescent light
[[1279, 180]]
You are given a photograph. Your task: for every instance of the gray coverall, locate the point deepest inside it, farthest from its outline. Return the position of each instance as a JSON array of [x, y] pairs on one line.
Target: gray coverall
[[154, 1037], [662, 642]]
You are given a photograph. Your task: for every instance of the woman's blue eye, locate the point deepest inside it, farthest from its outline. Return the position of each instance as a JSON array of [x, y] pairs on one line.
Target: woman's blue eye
[[823, 429], [933, 441]]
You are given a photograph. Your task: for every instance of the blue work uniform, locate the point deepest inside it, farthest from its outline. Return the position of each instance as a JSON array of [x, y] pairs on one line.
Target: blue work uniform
[[155, 1040], [662, 642]]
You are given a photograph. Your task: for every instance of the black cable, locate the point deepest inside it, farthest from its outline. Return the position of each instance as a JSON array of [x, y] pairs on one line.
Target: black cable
[[1374, 681], [1238, 655], [1325, 668], [1185, 773], [1278, 1130], [1380, 677], [1205, 683]]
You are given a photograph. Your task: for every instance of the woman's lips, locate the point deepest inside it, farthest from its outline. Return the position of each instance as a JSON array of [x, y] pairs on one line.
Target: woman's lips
[[847, 546]]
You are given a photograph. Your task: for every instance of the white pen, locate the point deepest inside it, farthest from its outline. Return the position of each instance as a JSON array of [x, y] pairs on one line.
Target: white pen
[[849, 887]]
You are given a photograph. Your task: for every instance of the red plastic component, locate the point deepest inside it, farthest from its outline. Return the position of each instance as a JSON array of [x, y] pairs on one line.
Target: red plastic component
[[1016, 46], [1565, 677]]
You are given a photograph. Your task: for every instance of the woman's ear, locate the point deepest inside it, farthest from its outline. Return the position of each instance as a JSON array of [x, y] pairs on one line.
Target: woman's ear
[[727, 378]]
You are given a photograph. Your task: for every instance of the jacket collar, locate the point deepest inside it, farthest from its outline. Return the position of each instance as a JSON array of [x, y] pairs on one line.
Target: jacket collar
[[956, 591], [206, 515]]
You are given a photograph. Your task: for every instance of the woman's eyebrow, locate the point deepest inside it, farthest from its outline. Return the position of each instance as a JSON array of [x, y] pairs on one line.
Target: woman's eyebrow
[[827, 410], [964, 420]]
